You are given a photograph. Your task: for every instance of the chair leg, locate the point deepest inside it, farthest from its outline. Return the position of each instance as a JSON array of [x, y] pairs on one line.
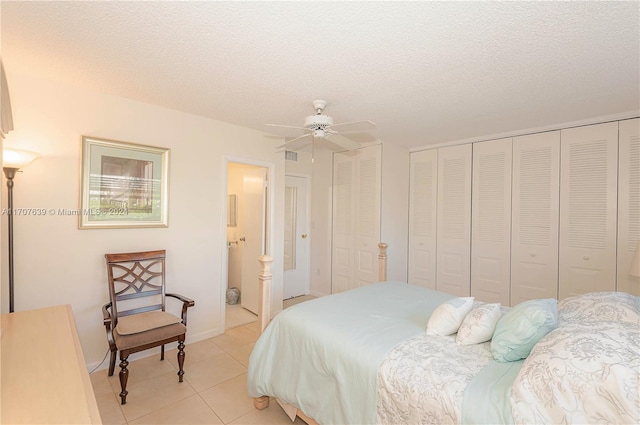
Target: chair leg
[[124, 376], [162, 352], [112, 362], [180, 360]]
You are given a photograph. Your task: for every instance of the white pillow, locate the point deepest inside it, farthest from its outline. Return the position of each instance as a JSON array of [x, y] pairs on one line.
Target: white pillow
[[479, 324], [448, 316]]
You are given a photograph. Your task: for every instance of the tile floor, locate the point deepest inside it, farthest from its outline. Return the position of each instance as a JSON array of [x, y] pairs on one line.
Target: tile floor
[[214, 390], [236, 315]]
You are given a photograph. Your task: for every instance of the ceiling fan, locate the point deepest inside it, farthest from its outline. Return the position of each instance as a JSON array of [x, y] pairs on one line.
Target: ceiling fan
[[320, 126]]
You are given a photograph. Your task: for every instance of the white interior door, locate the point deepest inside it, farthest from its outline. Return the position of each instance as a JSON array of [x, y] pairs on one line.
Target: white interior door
[[491, 221], [628, 204], [454, 220], [367, 223], [588, 202], [422, 218], [535, 215], [343, 238], [251, 207], [296, 238]]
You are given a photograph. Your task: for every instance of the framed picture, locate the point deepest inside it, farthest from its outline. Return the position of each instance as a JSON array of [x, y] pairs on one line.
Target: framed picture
[[123, 185]]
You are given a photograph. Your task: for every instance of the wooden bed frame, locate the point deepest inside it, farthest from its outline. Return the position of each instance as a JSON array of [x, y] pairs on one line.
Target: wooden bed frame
[[264, 310]]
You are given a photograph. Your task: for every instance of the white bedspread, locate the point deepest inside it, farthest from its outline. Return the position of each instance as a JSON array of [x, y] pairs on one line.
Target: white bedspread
[[422, 380], [328, 368]]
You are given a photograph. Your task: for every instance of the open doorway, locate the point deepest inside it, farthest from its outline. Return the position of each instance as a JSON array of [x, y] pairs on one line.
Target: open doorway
[[247, 231], [296, 236]]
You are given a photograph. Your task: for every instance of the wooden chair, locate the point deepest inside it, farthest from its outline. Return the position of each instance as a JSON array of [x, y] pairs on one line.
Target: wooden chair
[[135, 318]]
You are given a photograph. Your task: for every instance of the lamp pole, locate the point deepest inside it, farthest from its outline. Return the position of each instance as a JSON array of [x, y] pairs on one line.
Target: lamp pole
[[10, 173], [13, 160]]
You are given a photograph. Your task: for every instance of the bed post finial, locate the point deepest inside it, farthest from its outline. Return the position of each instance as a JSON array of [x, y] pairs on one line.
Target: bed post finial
[[264, 291], [382, 262]]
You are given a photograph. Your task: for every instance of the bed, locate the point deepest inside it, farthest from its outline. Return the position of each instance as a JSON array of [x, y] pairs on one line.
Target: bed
[[383, 354]]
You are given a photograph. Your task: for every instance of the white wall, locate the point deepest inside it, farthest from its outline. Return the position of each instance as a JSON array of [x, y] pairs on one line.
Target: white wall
[[56, 263]]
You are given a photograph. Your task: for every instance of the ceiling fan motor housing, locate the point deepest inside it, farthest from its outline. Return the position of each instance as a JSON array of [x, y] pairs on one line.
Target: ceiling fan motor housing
[[318, 124]]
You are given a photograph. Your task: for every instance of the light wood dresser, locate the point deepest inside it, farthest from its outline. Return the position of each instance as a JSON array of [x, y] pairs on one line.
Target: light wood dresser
[[44, 377]]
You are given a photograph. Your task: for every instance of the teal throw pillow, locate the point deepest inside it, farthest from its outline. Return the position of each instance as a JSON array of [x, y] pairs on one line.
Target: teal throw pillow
[[522, 327]]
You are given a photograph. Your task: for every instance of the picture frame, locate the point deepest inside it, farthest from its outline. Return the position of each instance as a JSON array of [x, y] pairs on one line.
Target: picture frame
[[123, 185]]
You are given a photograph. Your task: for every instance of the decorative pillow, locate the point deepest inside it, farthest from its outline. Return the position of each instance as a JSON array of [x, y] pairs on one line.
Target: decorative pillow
[[599, 306], [581, 374], [447, 317], [479, 324], [522, 327]]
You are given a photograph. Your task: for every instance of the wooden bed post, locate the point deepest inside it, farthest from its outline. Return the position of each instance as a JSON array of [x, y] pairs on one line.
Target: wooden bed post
[[264, 291], [382, 262], [264, 310]]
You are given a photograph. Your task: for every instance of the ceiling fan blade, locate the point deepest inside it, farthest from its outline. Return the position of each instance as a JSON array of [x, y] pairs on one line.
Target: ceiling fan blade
[[354, 127], [288, 130], [297, 143], [342, 141]]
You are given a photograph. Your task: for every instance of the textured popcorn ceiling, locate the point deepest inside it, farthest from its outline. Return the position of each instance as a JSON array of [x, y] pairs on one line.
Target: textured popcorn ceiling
[[424, 72]]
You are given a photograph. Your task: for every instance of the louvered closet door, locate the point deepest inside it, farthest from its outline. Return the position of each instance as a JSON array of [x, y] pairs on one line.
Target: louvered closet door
[[343, 238], [454, 220], [422, 218], [628, 203], [491, 221], [367, 219], [535, 216], [588, 201]]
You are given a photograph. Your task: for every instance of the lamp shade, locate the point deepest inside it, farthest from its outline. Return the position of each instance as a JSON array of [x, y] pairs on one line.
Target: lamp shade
[[6, 119], [16, 158], [635, 262]]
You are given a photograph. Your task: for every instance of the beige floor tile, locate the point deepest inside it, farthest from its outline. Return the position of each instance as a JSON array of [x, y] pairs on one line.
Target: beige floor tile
[[216, 367], [272, 415], [246, 333], [236, 315], [191, 410], [153, 394], [143, 369], [207, 373], [108, 403], [255, 327], [236, 340], [241, 352], [229, 400], [194, 353]]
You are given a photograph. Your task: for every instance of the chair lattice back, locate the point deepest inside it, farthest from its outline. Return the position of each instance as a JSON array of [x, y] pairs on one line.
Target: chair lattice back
[[136, 282]]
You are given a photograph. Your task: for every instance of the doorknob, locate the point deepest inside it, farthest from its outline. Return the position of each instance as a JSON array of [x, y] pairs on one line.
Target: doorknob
[[242, 239], [304, 236]]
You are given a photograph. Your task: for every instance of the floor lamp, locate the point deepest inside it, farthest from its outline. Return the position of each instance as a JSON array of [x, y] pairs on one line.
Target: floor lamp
[[12, 161]]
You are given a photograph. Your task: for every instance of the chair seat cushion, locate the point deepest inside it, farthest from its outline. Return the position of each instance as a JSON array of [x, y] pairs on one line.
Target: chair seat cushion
[[125, 342], [143, 322]]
